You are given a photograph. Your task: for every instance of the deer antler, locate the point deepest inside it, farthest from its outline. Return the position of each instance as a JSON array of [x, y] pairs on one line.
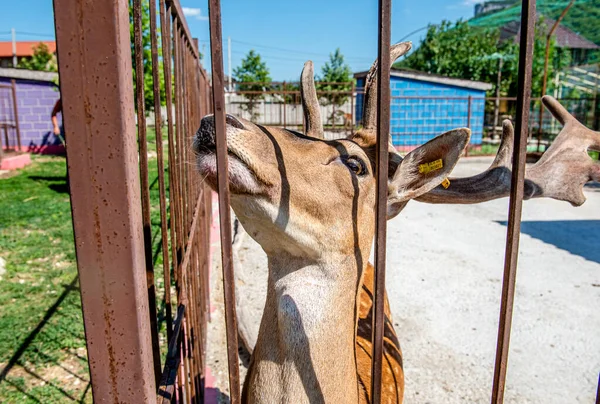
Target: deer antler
[[560, 174], [369, 118], [310, 102]]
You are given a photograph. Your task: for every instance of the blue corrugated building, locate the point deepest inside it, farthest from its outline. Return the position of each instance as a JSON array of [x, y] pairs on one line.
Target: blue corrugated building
[[425, 105]]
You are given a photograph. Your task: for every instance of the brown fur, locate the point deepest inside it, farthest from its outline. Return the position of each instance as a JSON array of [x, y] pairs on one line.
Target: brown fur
[[314, 217], [392, 372]]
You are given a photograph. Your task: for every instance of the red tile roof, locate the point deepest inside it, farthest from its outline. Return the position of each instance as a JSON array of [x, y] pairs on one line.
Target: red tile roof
[[24, 48], [565, 38]]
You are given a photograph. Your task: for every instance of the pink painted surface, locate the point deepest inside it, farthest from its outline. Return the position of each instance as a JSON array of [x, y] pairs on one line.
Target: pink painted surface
[[15, 162], [215, 234], [211, 393], [48, 149]]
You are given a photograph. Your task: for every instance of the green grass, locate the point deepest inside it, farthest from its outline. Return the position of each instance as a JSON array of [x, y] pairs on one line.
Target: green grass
[[484, 150], [42, 338], [41, 325]]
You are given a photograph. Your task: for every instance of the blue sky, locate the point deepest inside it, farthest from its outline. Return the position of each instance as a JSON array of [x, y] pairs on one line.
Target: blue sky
[[285, 32]]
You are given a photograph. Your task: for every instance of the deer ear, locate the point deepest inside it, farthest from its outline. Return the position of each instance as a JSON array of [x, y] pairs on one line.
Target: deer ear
[[425, 168]]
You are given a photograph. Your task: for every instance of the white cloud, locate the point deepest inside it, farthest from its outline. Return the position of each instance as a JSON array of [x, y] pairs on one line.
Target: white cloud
[[471, 2], [195, 13]]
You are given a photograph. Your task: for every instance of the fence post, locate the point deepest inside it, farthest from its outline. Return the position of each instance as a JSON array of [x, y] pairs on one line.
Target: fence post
[[351, 108], [97, 93], [468, 123], [284, 107], [16, 110]]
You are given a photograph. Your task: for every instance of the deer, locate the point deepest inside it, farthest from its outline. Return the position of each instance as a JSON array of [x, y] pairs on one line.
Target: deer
[[310, 205]]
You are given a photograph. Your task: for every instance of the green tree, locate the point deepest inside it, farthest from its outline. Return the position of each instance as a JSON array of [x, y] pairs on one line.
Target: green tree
[[147, 55], [252, 76], [462, 51], [42, 59], [336, 78]]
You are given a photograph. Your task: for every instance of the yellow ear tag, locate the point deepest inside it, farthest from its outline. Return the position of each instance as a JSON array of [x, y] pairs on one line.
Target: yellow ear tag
[[429, 167], [446, 183]]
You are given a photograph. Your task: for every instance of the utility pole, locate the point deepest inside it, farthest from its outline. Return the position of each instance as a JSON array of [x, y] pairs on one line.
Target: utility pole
[[14, 47], [497, 103], [229, 61], [545, 79]]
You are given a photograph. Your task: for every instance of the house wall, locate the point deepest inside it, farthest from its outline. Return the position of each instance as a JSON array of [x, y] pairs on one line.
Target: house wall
[[422, 110], [35, 100]]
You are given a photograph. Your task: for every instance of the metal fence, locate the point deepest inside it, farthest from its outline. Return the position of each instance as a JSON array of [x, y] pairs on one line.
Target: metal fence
[[10, 134], [414, 119], [136, 348], [112, 208]]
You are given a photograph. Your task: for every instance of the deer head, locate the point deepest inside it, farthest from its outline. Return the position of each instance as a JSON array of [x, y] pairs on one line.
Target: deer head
[[305, 195], [310, 204]]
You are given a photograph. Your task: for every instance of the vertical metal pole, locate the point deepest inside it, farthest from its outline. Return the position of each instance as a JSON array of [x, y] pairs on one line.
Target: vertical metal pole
[[164, 231], [598, 391], [333, 117], [229, 62], [1, 150], [516, 199], [14, 47], [216, 46], [351, 108], [16, 111], [497, 101], [469, 106], [545, 77], [383, 130], [143, 161], [284, 106], [94, 49]]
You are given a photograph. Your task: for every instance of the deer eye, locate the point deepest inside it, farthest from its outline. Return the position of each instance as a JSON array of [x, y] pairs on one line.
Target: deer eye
[[356, 165]]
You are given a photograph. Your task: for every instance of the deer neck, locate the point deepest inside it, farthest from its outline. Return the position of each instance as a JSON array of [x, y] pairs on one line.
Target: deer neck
[[305, 347]]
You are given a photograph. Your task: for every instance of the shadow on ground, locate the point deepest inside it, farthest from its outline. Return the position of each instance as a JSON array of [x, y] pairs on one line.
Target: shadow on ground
[[579, 237], [17, 367], [56, 183]]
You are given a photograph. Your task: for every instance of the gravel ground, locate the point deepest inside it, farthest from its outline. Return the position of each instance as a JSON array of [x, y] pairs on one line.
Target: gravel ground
[[445, 265]]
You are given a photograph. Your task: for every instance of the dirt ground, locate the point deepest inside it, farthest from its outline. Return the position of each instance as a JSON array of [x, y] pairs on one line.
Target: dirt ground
[[444, 277]]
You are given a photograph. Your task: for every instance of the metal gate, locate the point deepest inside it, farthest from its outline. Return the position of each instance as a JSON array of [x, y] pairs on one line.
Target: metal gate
[[10, 134], [111, 196]]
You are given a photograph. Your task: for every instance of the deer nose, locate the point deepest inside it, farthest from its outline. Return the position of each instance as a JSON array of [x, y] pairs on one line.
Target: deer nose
[[205, 135], [207, 132]]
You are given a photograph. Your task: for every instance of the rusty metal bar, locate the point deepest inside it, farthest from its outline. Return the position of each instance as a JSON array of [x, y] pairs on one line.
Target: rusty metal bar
[[176, 163], [93, 43], [13, 87], [165, 26], [181, 230], [143, 162], [166, 390], [351, 108], [216, 44], [164, 231], [177, 13], [470, 101], [284, 107], [383, 130], [189, 299], [516, 199]]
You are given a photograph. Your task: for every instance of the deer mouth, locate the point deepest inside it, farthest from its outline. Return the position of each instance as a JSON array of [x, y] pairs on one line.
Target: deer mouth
[[242, 180]]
